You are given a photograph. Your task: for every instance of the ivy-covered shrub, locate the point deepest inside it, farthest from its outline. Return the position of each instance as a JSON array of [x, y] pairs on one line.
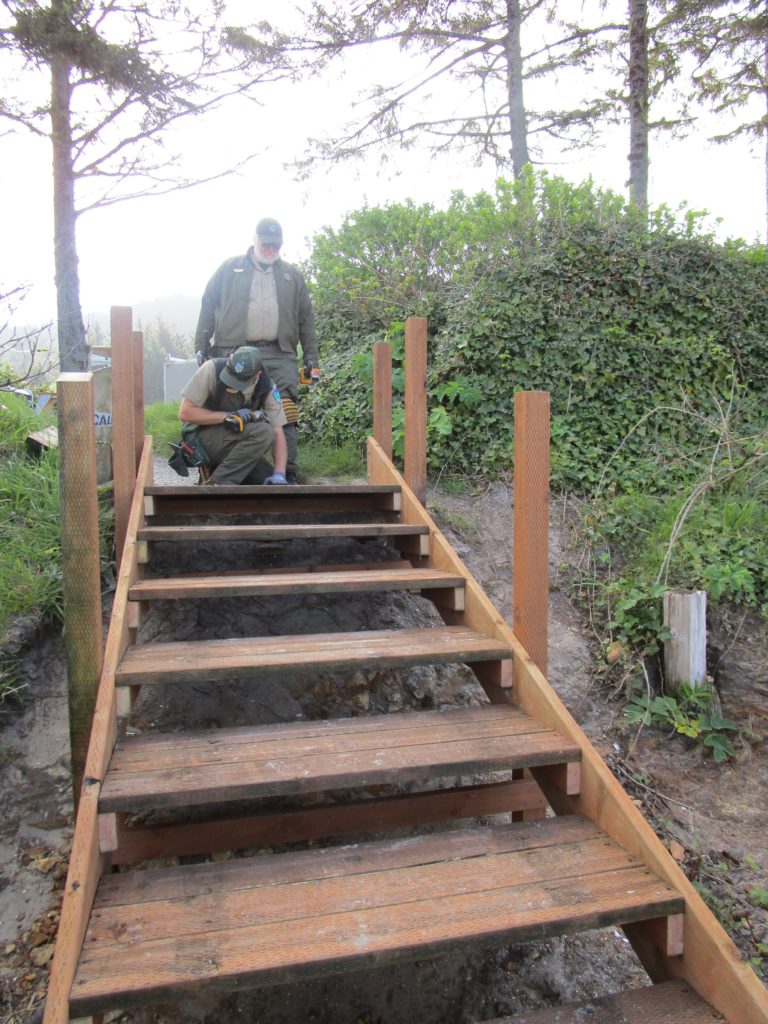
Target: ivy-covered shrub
[[638, 329]]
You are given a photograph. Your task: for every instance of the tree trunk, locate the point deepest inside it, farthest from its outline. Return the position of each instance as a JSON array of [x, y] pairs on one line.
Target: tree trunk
[[638, 103], [73, 352], [518, 130]]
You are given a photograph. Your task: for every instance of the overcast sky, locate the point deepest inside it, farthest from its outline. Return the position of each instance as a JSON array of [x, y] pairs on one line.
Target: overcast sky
[[156, 247]]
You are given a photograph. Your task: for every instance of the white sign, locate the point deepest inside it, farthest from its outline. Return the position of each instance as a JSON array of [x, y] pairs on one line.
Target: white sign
[[102, 419]]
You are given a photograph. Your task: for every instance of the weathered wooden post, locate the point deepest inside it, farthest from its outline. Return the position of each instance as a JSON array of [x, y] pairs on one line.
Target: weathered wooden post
[[415, 460], [685, 653], [382, 396], [530, 584], [80, 569], [138, 395], [123, 420]]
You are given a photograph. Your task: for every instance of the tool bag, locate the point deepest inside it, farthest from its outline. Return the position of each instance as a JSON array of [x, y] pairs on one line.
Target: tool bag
[[189, 452]]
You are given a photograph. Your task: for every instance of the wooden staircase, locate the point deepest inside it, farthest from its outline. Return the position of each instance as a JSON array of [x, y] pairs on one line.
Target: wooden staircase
[[575, 855]]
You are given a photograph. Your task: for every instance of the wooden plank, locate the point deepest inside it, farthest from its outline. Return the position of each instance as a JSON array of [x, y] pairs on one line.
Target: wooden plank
[[178, 534], [334, 923], [711, 963], [223, 909], [249, 746], [415, 441], [321, 822], [238, 773], [331, 862], [671, 1003], [382, 395], [328, 726], [319, 492], [42, 440], [530, 559], [256, 585], [251, 656], [85, 868], [137, 361]]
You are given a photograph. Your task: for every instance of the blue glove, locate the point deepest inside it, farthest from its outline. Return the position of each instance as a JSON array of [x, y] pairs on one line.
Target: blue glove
[[276, 478], [201, 357], [246, 415]]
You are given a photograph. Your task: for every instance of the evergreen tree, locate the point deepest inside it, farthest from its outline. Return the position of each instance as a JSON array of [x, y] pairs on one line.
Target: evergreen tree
[[119, 75], [478, 58]]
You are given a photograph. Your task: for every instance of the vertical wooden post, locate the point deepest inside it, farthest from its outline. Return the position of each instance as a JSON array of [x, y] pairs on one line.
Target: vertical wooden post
[[123, 421], [382, 396], [138, 394], [415, 461], [530, 585], [80, 570], [685, 653]]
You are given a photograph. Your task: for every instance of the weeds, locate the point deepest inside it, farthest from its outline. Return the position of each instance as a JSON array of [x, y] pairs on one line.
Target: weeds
[[161, 421], [339, 462]]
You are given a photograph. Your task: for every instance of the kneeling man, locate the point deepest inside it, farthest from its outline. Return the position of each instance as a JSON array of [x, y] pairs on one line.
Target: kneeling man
[[236, 411]]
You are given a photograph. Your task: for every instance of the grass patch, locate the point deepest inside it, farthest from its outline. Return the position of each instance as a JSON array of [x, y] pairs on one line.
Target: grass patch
[[161, 420], [30, 538], [453, 520], [339, 462]]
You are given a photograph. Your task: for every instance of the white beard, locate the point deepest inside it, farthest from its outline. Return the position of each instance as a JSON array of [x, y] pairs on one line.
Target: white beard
[[265, 257]]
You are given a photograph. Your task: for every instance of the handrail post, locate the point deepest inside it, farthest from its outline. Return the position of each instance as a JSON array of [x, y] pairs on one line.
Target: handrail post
[[80, 568], [530, 585], [415, 460], [123, 420], [382, 396], [138, 394]]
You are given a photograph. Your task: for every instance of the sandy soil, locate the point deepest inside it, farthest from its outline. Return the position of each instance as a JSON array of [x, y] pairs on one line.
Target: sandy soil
[[714, 813]]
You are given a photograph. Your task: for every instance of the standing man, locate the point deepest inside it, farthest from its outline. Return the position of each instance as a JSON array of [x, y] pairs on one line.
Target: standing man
[[235, 410], [260, 301]]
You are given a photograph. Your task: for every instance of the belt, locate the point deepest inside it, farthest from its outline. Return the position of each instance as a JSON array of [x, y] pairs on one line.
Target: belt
[[262, 344]]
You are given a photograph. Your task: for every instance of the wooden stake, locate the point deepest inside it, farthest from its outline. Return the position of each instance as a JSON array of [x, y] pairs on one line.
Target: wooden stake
[[382, 396], [123, 420], [415, 462], [81, 579], [530, 584], [685, 653]]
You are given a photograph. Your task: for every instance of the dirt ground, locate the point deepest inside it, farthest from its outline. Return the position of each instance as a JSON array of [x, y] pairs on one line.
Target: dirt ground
[[713, 815]]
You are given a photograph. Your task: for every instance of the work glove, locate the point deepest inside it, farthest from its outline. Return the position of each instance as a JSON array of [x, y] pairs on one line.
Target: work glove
[[246, 415], [309, 373], [235, 422], [201, 357], [276, 478]]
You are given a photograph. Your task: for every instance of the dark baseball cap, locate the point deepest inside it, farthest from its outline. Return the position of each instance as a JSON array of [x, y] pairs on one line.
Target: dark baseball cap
[[241, 368], [268, 230]]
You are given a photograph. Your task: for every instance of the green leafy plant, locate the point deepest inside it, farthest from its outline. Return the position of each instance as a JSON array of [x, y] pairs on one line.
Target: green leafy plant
[[690, 714]]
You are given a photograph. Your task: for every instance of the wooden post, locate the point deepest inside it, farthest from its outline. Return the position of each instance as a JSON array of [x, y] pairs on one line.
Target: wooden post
[[415, 461], [81, 579], [123, 421], [685, 653], [138, 394], [382, 396], [530, 584]]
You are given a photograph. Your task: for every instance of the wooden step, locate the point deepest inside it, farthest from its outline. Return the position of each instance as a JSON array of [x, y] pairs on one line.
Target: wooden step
[[158, 934], [244, 499], [671, 1002], [178, 769], [251, 656], [307, 531], [353, 580]]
